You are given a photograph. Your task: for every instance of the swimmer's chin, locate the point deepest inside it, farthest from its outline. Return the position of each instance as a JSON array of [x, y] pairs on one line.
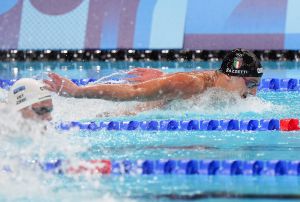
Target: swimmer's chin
[[247, 95]]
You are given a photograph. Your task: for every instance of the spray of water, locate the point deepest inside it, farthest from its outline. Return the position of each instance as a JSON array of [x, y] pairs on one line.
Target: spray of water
[[217, 101], [25, 145], [213, 103], [70, 109]]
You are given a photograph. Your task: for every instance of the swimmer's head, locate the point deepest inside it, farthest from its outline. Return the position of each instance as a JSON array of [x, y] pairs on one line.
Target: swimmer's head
[[241, 63], [31, 98], [241, 72]]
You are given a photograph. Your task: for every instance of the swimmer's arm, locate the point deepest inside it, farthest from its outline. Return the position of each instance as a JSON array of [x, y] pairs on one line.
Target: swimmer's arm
[[144, 74], [178, 85], [168, 87]]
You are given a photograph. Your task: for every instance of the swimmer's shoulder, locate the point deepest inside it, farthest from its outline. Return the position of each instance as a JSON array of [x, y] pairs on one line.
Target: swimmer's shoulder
[[208, 72], [206, 75]]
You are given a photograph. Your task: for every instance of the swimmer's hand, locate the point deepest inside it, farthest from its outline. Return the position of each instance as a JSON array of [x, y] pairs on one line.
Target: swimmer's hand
[[144, 74], [60, 85]]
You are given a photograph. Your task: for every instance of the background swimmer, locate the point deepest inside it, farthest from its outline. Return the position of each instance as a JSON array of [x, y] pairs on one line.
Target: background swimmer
[[31, 98]]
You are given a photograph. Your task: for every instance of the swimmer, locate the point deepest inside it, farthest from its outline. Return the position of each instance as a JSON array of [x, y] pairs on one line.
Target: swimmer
[[240, 73], [31, 99]]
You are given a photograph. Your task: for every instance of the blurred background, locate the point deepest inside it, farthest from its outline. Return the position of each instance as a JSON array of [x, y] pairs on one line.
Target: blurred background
[[101, 41], [150, 24]]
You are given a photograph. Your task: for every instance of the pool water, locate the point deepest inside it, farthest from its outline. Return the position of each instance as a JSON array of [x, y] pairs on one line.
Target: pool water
[[132, 145]]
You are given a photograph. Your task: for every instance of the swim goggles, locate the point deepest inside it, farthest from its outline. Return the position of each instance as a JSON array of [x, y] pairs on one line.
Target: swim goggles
[[251, 84], [42, 110]]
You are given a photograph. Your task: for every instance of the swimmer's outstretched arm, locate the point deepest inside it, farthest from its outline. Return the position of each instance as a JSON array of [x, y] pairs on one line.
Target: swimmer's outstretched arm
[[169, 87]]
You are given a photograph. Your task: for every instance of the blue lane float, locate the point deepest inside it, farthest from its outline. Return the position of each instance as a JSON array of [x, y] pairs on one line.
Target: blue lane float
[[174, 125], [5, 83], [177, 167], [213, 167], [267, 84], [275, 84]]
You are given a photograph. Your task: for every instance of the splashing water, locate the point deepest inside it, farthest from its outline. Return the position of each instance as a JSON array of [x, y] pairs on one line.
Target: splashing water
[[217, 101], [70, 109], [24, 145], [3, 95], [214, 103]]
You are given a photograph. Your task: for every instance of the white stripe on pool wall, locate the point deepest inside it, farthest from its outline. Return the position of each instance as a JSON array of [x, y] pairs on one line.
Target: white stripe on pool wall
[[292, 17], [42, 31], [292, 28], [168, 20]]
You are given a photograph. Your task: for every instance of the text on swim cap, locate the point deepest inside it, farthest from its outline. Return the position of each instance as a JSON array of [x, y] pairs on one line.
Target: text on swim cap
[[20, 99], [236, 71], [19, 89]]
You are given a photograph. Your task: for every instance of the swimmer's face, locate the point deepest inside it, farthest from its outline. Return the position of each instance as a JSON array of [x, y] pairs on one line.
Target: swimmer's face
[[252, 84], [241, 85], [39, 111], [246, 85]]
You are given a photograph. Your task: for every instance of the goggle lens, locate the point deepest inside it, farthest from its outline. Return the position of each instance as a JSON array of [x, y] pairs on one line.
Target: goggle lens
[[42, 110]]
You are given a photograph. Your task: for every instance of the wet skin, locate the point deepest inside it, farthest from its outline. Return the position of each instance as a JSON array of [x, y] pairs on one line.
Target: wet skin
[[167, 87]]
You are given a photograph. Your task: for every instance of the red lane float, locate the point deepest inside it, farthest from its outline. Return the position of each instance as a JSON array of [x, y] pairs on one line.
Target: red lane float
[[289, 124], [91, 167]]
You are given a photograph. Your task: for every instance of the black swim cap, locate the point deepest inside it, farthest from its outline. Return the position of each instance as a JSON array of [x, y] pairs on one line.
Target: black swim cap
[[241, 63]]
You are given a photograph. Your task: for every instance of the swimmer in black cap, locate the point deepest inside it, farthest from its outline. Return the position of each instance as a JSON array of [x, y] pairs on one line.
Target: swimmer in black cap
[[240, 72]]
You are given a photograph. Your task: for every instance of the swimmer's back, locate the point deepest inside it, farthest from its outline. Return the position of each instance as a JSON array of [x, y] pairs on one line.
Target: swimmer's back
[[207, 76]]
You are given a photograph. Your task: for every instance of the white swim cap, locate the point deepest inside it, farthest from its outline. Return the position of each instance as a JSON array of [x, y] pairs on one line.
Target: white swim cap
[[26, 92]]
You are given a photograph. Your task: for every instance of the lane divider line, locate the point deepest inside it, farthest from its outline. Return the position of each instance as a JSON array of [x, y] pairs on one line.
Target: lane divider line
[[176, 167], [291, 124], [267, 84]]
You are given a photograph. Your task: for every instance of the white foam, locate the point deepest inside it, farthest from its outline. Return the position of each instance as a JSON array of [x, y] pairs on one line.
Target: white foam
[[3, 98], [216, 101], [25, 144], [70, 109], [23, 141], [213, 102]]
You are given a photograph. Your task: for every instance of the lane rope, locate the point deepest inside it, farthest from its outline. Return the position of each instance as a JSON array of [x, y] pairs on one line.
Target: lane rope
[[176, 167], [189, 125], [267, 84]]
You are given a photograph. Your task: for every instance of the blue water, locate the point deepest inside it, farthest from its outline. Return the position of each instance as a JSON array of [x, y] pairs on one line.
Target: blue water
[[133, 145]]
